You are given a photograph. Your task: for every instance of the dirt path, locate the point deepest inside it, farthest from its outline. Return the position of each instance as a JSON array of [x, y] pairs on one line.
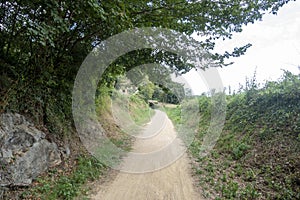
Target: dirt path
[[173, 182]]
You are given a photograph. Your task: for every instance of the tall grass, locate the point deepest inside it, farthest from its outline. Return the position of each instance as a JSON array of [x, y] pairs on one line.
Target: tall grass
[[257, 154]]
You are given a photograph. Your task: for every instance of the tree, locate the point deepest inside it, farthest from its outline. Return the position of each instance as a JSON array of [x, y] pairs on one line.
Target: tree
[[146, 89], [43, 43]]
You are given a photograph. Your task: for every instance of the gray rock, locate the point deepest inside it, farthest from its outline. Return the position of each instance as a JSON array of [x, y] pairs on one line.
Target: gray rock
[[2, 192], [65, 151], [24, 151]]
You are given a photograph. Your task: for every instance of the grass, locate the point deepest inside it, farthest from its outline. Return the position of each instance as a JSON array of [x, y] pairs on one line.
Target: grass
[[174, 114], [129, 112], [257, 154], [66, 185], [139, 110], [57, 185]]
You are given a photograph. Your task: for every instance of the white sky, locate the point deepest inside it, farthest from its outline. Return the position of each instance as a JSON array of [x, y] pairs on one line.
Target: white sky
[[275, 45]]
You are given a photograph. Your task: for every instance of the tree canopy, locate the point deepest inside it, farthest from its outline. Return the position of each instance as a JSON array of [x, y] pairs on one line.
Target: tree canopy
[[43, 43]]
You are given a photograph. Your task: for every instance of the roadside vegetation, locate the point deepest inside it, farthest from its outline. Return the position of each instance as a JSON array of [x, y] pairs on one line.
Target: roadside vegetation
[[258, 153], [139, 110], [44, 43], [68, 184], [70, 180]]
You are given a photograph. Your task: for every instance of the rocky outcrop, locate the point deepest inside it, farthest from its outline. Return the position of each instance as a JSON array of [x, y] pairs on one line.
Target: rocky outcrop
[[24, 151]]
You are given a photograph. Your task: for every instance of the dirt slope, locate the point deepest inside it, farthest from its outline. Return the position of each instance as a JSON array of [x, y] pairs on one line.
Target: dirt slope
[[171, 182]]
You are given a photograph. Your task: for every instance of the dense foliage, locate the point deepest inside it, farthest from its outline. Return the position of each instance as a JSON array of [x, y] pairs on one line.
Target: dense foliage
[[257, 155], [275, 106], [44, 42]]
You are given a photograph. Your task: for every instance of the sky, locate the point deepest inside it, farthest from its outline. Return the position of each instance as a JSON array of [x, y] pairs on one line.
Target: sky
[[275, 46]]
